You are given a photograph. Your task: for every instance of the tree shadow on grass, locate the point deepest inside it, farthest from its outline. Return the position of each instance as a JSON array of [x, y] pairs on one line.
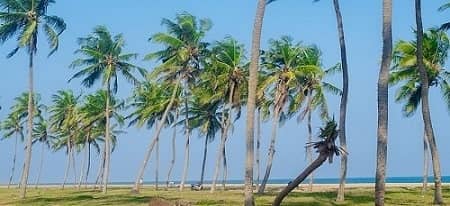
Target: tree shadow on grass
[[88, 199]]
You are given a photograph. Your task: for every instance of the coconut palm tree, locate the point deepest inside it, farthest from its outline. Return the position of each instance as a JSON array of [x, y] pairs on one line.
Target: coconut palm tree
[[405, 72], [23, 18], [152, 104], [281, 63], [312, 87], [103, 57], [424, 79], [182, 56], [383, 81], [227, 75], [13, 126], [251, 101], [41, 133], [326, 148], [205, 116], [65, 124]]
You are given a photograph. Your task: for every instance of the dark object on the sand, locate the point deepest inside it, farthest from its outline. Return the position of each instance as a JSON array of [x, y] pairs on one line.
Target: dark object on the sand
[[159, 202], [196, 187]]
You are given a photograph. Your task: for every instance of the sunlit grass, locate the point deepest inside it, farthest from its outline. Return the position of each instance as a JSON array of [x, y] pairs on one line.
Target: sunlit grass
[[122, 196]]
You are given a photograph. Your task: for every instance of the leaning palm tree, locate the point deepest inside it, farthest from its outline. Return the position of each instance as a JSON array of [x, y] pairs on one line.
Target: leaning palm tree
[[426, 116], [152, 104], [326, 148], [103, 58], [383, 84], [41, 134], [65, 124], [24, 18], [406, 74], [182, 56]]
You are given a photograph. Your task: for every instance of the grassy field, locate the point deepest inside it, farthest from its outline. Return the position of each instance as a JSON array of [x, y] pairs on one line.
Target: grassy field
[[122, 196]]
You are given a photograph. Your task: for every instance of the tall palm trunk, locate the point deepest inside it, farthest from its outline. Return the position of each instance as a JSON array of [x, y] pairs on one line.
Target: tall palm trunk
[[88, 165], [186, 148], [66, 173], [157, 164], [155, 137], [343, 105], [225, 168], [205, 153], [383, 80], [14, 161], [27, 162], [426, 108], [107, 140], [221, 151], [258, 147], [309, 149], [251, 102], [172, 162], [275, 123], [83, 167], [40, 166], [101, 168], [426, 164], [307, 172], [73, 167]]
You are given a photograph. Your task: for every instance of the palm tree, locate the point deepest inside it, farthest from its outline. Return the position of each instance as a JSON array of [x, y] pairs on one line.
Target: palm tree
[[103, 57], [405, 71], [227, 75], [152, 104], [13, 126], [93, 117], [424, 79], [41, 133], [383, 82], [326, 148], [251, 102], [24, 18], [181, 58], [445, 26], [312, 84], [205, 116], [65, 124]]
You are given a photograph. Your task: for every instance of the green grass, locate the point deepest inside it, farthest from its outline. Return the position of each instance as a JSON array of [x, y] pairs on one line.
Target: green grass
[[122, 196]]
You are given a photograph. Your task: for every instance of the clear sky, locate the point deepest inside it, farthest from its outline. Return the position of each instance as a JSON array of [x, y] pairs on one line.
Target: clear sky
[[303, 20]]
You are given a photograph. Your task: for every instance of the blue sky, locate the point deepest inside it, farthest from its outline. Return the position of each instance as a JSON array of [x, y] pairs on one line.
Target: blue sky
[[311, 23]]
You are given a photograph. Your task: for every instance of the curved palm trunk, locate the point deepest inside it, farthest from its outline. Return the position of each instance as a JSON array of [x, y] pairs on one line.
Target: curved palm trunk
[[276, 120], [88, 165], [383, 80], [426, 108], [205, 152], [343, 105], [66, 173], [251, 103], [107, 140], [172, 162], [14, 161], [40, 166], [101, 167], [157, 164], [155, 139], [425, 164], [27, 162], [309, 149], [313, 166], [186, 148], [74, 169], [258, 147]]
